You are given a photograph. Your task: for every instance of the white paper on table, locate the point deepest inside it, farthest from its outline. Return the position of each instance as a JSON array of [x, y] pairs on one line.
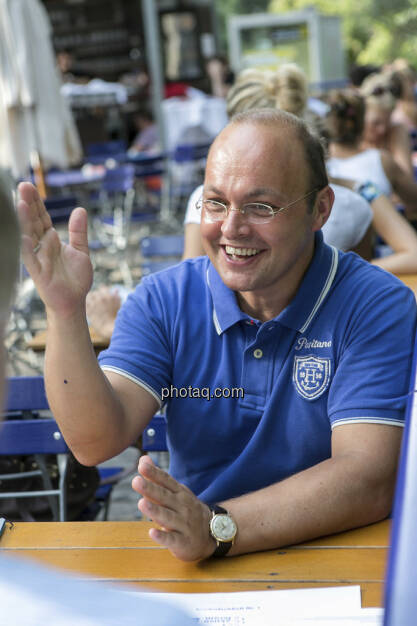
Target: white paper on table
[[365, 617], [266, 608]]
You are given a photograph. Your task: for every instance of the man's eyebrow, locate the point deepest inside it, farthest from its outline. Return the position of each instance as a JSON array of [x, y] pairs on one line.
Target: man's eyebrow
[[212, 189], [264, 191]]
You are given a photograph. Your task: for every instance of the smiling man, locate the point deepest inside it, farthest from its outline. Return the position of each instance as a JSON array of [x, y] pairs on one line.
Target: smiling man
[[317, 343]]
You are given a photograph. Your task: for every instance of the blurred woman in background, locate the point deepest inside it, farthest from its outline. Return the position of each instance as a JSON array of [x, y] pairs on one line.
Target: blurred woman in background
[[382, 93], [349, 159]]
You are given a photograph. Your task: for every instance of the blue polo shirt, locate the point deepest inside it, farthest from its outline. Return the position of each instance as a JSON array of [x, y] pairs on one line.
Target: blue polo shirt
[[339, 353]]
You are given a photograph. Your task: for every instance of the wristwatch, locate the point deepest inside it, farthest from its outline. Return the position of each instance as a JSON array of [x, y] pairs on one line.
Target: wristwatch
[[367, 190], [223, 529]]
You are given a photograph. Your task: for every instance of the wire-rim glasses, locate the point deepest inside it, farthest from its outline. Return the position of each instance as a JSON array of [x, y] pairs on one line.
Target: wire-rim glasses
[[254, 212]]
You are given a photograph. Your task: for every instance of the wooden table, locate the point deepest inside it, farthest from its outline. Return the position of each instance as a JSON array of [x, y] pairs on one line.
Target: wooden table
[[410, 280], [122, 552], [38, 342]]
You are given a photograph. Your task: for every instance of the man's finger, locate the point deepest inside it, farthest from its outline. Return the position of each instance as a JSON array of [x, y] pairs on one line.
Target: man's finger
[[166, 538], [177, 544], [151, 472], [156, 493], [30, 195], [161, 515], [34, 219], [77, 230], [30, 259]]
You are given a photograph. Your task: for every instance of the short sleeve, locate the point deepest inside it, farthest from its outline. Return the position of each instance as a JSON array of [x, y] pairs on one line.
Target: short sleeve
[[371, 381], [349, 219]]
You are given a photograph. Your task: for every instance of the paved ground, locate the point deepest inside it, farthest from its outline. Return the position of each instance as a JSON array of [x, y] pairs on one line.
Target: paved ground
[[124, 501]]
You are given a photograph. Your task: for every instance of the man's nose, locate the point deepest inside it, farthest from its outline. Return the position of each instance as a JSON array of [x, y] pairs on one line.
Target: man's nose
[[235, 224]]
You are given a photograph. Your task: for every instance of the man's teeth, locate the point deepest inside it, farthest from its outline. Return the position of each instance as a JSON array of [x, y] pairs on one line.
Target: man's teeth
[[241, 251]]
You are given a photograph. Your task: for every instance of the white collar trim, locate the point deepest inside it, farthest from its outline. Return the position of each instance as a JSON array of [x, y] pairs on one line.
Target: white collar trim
[[324, 291]]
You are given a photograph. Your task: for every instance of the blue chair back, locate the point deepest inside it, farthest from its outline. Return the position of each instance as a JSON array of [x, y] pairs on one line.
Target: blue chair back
[[101, 151], [162, 245], [60, 207], [190, 152], [154, 435], [36, 436], [148, 165], [26, 393], [119, 179]]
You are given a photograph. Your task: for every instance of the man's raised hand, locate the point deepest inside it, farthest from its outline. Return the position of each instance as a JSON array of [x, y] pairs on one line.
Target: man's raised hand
[[62, 272]]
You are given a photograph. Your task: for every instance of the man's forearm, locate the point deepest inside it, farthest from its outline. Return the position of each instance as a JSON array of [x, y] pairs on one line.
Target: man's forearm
[[330, 497], [81, 398]]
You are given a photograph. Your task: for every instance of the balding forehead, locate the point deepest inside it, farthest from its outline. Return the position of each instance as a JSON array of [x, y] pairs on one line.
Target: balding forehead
[[278, 136]]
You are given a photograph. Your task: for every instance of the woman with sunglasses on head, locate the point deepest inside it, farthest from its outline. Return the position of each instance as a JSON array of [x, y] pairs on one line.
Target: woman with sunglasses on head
[[349, 159], [381, 131]]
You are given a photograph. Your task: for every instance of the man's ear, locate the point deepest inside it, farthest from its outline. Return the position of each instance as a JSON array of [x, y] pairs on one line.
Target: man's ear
[[322, 207]]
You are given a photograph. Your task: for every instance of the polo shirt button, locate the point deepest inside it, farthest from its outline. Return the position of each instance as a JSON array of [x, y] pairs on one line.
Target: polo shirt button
[[258, 354]]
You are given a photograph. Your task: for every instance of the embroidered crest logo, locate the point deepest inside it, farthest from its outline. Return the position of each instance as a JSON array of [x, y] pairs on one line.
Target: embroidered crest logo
[[311, 376]]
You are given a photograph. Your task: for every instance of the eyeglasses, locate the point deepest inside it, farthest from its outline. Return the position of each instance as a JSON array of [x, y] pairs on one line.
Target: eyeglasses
[[254, 212]]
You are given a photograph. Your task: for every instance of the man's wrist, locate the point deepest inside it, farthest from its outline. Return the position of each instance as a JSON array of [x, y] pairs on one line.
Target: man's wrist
[[211, 542]]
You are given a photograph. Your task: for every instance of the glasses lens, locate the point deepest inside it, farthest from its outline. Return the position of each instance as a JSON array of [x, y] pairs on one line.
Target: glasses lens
[[215, 210], [257, 213]]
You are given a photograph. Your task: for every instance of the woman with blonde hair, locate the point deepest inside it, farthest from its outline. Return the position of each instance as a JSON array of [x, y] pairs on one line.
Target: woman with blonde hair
[[285, 89], [381, 131]]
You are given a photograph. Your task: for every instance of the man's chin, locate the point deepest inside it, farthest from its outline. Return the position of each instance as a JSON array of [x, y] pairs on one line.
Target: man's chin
[[237, 282]]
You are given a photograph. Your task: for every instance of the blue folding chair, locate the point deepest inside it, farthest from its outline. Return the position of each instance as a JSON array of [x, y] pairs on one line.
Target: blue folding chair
[[100, 152], [160, 252], [20, 435], [26, 432], [61, 207], [154, 440], [154, 435], [115, 200], [187, 167]]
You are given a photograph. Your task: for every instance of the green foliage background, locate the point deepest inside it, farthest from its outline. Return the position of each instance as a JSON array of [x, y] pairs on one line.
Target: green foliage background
[[375, 31]]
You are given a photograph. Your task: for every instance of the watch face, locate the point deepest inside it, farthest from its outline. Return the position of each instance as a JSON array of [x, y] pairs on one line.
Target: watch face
[[223, 527]]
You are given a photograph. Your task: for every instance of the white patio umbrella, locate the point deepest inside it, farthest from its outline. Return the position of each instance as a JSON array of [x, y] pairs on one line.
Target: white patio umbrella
[[33, 114]]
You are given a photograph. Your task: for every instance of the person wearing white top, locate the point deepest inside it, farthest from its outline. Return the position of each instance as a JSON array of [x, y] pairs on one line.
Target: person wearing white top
[[344, 125], [361, 167]]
